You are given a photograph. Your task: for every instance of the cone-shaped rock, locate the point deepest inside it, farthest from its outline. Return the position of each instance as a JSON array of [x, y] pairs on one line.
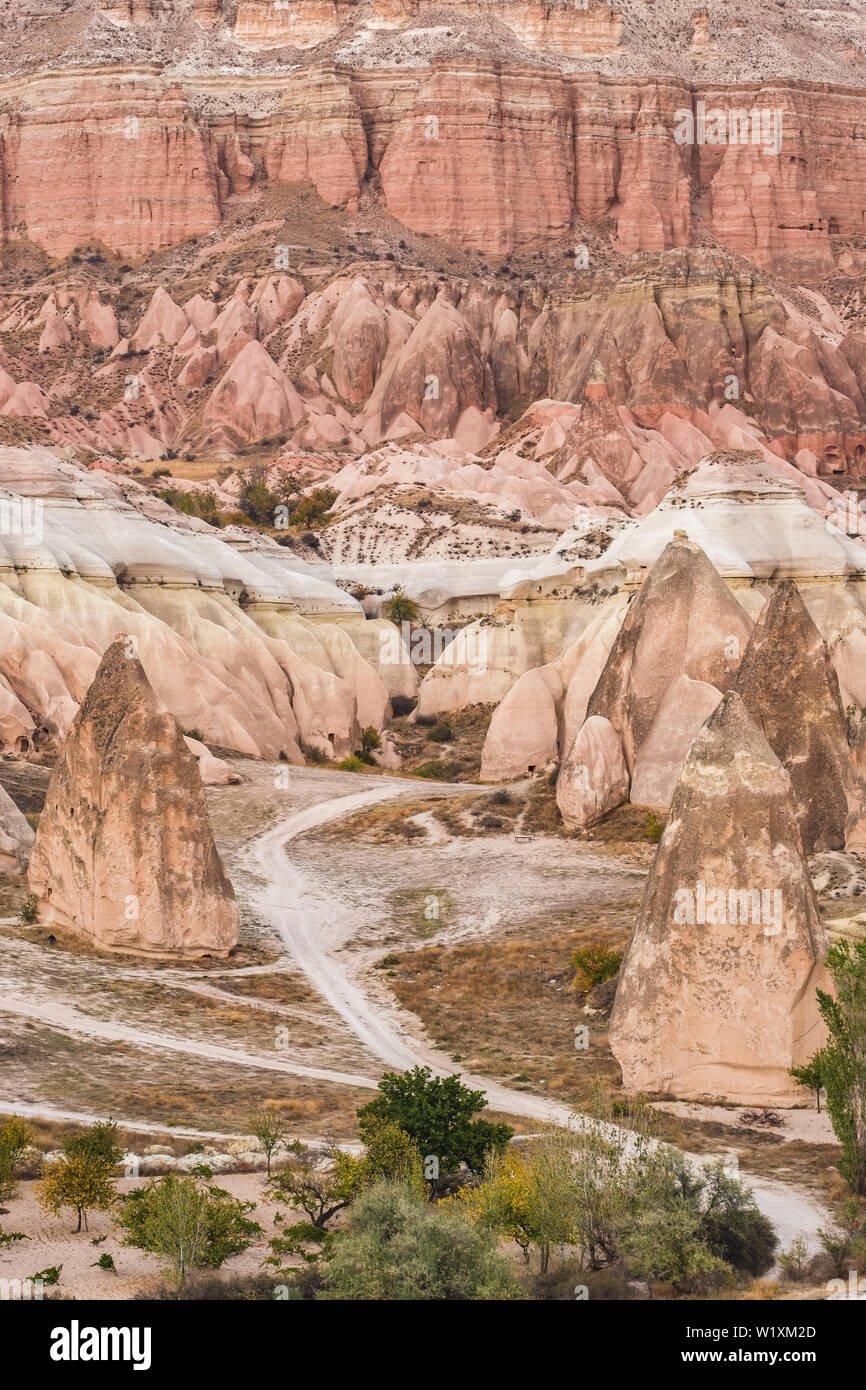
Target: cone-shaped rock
[[717, 988], [684, 621], [790, 687], [125, 854]]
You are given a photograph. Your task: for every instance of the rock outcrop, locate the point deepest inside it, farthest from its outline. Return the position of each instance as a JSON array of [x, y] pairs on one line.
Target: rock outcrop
[[716, 998], [676, 652], [125, 855], [16, 836], [789, 686]]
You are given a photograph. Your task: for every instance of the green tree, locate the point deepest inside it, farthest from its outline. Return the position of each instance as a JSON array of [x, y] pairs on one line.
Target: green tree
[[841, 1063], [256, 499], [190, 1224], [665, 1243], [100, 1141], [318, 1184], [530, 1195], [811, 1077], [79, 1180], [16, 1137], [437, 1112], [397, 1246], [390, 1155], [270, 1129], [732, 1226], [401, 608], [370, 743]]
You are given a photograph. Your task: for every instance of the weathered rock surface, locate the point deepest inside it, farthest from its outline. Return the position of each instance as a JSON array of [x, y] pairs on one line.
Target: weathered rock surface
[[124, 854], [593, 778], [16, 836], [789, 686], [684, 621], [722, 1005]]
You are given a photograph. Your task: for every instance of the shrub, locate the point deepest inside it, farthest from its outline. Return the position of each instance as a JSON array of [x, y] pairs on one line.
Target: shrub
[[29, 909], [351, 764], [653, 828], [794, 1260], [397, 1246], [438, 771], [16, 1137], [401, 608], [190, 1224], [593, 964], [313, 753], [370, 743], [440, 733]]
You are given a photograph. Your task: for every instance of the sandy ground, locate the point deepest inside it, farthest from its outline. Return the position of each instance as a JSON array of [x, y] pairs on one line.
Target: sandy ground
[[806, 1125], [52, 1241]]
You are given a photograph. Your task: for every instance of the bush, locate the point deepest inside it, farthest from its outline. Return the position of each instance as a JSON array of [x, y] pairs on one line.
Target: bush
[[438, 771], [199, 504], [401, 608], [440, 733], [491, 822], [29, 909], [351, 764], [594, 964], [313, 753], [653, 828], [397, 1246]]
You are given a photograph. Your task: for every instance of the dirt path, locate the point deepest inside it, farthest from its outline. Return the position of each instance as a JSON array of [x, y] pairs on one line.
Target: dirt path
[[311, 924]]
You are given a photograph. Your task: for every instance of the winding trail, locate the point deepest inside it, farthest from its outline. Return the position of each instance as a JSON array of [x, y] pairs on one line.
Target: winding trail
[[311, 923]]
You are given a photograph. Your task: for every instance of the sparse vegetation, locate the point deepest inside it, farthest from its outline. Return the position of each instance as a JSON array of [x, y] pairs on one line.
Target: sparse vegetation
[[594, 964]]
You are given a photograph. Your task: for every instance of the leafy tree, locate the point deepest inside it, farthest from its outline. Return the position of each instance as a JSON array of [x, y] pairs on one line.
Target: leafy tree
[[100, 1141], [841, 1063], [370, 742], [665, 1242], [811, 1077], [397, 1246], [731, 1224], [843, 1242], [270, 1130], [401, 608], [390, 1155], [311, 509], [318, 1185], [16, 1137], [191, 1224], [437, 1112], [256, 499], [792, 1261], [529, 1195], [80, 1180], [29, 910]]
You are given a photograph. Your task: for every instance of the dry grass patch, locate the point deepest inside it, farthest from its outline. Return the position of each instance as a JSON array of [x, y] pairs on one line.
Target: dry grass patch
[[507, 1007]]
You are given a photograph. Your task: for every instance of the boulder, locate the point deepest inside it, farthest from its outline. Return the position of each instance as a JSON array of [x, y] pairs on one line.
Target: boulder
[[125, 855], [717, 989]]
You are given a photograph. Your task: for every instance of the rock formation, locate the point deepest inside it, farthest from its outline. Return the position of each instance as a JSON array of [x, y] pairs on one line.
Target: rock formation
[[717, 989], [787, 682], [16, 836], [124, 855], [675, 654]]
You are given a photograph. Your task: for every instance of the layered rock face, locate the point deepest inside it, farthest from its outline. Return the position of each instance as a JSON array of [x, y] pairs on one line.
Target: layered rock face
[[497, 157], [716, 998], [125, 855], [236, 641], [789, 686]]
